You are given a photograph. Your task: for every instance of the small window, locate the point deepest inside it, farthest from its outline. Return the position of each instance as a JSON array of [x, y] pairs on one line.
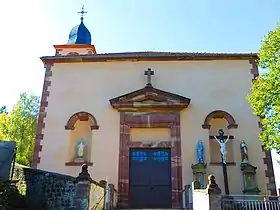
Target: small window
[[139, 156], [160, 156]]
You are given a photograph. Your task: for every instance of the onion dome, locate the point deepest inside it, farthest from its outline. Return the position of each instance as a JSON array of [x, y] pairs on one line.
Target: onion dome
[[80, 34]]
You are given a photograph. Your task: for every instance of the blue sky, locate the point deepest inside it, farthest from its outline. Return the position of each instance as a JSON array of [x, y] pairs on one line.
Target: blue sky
[[29, 29]]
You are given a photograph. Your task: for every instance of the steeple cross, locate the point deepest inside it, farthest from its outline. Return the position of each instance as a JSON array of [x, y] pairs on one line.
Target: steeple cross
[[149, 73], [82, 13]]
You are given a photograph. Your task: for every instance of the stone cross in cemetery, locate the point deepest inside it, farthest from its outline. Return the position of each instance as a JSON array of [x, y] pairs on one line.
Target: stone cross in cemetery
[[222, 140]]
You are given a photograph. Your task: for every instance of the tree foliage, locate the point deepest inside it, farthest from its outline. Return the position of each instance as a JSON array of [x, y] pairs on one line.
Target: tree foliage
[[3, 118], [20, 125], [3, 109], [265, 96]]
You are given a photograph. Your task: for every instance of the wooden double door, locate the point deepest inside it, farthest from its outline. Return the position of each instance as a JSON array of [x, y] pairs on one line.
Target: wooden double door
[[150, 178]]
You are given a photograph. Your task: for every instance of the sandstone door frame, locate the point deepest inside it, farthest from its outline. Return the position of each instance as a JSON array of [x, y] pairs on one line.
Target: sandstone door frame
[[160, 119]]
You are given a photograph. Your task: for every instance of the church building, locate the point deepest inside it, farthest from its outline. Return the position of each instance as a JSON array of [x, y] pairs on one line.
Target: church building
[[151, 122]]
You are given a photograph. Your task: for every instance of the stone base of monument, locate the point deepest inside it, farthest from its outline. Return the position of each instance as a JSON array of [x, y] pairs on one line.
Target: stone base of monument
[[79, 160], [251, 191], [249, 179], [199, 173]]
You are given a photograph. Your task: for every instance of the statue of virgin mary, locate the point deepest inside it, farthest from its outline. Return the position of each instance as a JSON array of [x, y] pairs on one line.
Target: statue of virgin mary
[[200, 151], [80, 149]]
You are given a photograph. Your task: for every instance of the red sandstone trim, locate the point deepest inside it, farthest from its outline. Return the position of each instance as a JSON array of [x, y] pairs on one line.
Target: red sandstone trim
[[42, 115], [78, 163], [130, 101], [75, 46], [154, 120], [57, 52], [83, 116], [73, 53], [254, 69], [219, 114], [269, 173], [267, 160]]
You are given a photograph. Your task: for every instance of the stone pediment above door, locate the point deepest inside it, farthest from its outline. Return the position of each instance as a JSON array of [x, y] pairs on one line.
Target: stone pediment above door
[[149, 98]]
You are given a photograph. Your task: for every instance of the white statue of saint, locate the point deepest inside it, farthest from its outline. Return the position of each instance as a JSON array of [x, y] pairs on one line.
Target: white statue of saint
[[81, 149], [222, 142]]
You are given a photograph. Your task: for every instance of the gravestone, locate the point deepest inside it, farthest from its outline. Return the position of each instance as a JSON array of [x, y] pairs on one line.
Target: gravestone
[[7, 155]]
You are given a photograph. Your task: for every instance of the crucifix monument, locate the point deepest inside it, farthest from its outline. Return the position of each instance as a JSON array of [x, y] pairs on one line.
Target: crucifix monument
[[222, 140], [149, 73]]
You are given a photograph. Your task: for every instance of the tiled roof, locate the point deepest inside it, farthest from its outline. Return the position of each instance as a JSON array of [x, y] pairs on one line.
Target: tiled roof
[[155, 55]]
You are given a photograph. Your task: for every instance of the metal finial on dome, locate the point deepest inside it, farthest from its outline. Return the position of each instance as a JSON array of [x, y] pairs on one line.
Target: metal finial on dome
[[82, 13]]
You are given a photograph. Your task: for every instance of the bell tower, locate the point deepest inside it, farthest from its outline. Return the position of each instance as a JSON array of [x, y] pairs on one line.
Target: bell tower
[[79, 41]]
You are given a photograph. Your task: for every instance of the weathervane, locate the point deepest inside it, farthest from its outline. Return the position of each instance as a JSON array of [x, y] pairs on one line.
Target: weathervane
[[82, 13]]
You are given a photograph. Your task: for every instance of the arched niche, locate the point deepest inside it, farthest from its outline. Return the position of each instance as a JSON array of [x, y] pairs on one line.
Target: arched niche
[[214, 121], [82, 116], [219, 114], [80, 126]]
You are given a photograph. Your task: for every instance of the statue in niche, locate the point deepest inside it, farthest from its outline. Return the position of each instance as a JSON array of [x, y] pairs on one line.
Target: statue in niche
[[244, 152], [200, 151], [80, 150]]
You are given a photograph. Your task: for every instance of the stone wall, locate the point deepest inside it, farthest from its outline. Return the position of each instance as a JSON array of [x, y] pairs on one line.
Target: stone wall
[[48, 190], [44, 189]]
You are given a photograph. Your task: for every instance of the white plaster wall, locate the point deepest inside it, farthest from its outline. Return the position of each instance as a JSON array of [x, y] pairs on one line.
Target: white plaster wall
[[211, 85]]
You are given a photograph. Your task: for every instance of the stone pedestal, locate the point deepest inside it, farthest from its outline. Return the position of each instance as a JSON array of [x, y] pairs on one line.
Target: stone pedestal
[[214, 193], [209, 198], [113, 196], [93, 195], [249, 179], [83, 187], [199, 173], [79, 160]]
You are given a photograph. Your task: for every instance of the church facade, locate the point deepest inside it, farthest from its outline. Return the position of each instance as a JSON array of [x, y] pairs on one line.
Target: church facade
[[136, 118]]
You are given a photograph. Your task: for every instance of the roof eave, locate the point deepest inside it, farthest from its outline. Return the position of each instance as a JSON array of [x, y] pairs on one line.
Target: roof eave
[[106, 58]]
